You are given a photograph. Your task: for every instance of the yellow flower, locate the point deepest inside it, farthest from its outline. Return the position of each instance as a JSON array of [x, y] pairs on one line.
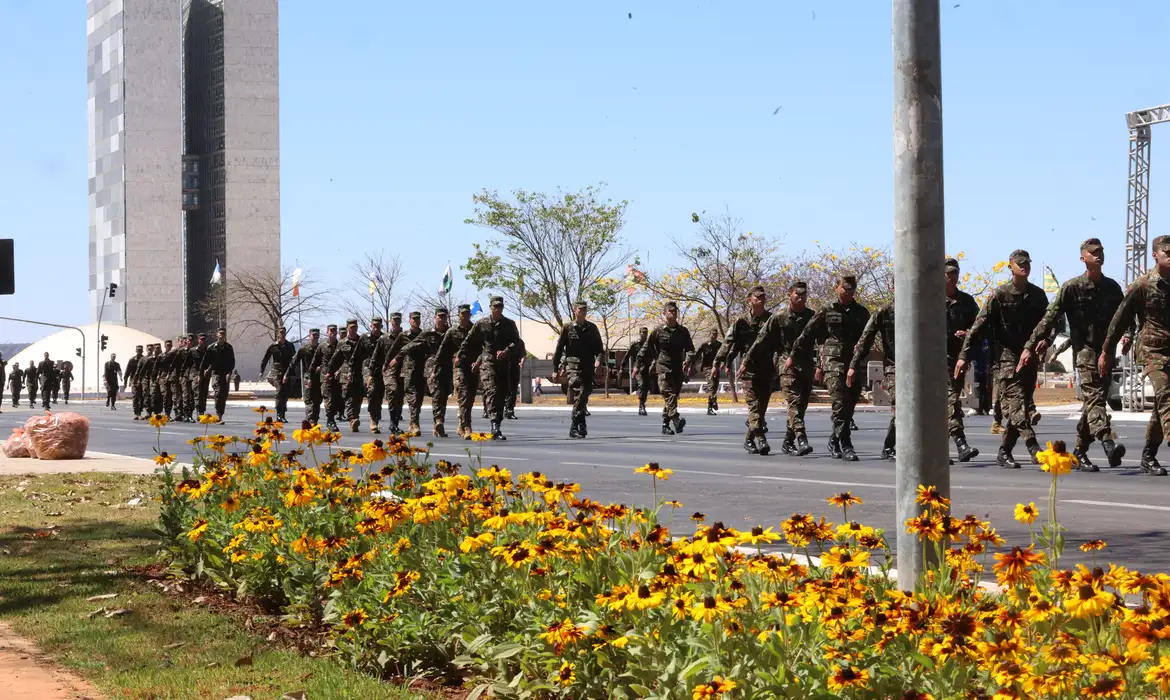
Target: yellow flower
[[758, 535], [198, 528], [848, 677], [839, 559], [1093, 546], [477, 542], [565, 675], [1088, 601], [843, 499], [208, 419], [710, 608], [1055, 459], [1027, 514], [717, 688], [930, 496], [654, 470], [1160, 674], [480, 437], [158, 420], [355, 618], [163, 459]]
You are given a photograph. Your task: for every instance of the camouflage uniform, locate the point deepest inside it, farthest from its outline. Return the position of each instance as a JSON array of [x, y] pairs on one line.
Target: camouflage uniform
[[372, 380], [837, 328], [219, 361], [757, 380], [961, 313], [464, 382], [306, 360], [420, 355], [15, 384], [707, 355], [175, 381], [330, 386], [163, 370], [642, 371], [1089, 307], [487, 337], [346, 365], [129, 380], [196, 386], [142, 391], [413, 378], [1146, 306], [578, 349], [514, 379], [777, 338], [880, 326], [280, 354], [1010, 315], [669, 347], [389, 344]]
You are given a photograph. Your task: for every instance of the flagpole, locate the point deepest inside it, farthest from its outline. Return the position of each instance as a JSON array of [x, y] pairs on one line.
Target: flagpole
[[300, 324]]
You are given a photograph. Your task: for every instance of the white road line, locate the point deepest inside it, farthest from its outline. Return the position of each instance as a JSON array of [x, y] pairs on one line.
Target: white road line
[[748, 477], [825, 483], [1114, 504], [464, 454]]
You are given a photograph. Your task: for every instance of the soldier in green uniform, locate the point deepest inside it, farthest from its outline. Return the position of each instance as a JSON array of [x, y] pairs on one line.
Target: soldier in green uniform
[[671, 348], [837, 328], [1089, 302], [492, 341], [757, 380], [418, 355], [142, 383], [880, 326], [48, 378], [1146, 307], [195, 371], [346, 365], [130, 379], [372, 381], [280, 354], [577, 356], [412, 374], [112, 374], [776, 337], [32, 383], [387, 348], [707, 355], [464, 382], [219, 362], [197, 345], [304, 360], [1010, 315], [15, 384], [639, 375], [65, 379], [514, 366], [330, 385], [961, 313], [163, 378]]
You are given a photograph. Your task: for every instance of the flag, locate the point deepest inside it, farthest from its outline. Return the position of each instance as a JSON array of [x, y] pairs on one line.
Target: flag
[[296, 282], [215, 276], [447, 280], [373, 287], [476, 308], [1051, 286]]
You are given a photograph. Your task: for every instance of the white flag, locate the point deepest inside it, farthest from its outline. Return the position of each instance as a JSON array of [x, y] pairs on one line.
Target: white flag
[[215, 276]]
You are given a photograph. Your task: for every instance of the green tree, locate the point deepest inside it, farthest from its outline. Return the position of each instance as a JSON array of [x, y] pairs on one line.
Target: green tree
[[549, 250]]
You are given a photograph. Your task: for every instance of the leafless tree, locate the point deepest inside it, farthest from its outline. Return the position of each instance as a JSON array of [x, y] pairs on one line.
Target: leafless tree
[[426, 301], [258, 300], [385, 271]]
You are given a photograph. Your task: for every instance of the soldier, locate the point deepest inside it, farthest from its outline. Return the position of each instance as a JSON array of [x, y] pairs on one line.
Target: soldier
[[758, 379], [708, 354], [174, 378], [961, 313], [415, 355], [1010, 315], [492, 341], [280, 353], [189, 378], [48, 378], [142, 382], [1146, 307], [56, 384], [219, 361], [515, 364], [441, 374], [401, 380], [15, 384], [412, 373], [671, 348], [346, 364], [32, 384], [1089, 302], [578, 355], [464, 382], [3, 377], [638, 373], [113, 376], [129, 380], [305, 362], [162, 371], [776, 337], [330, 386], [65, 379], [372, 380], [385, 349], [880, 325], [199, 382]]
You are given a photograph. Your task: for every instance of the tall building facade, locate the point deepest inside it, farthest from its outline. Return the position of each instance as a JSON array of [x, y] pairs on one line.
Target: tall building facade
[[184, 156]]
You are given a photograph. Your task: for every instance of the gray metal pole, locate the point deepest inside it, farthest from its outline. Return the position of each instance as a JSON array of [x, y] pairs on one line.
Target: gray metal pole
[[919, 252]]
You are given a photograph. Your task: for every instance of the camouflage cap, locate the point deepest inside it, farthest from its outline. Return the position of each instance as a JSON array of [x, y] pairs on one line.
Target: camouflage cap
[[847, 281], [396, 316], [579, 304], [330, 327], [465, 307], [416, 315], [1160, 243], [190, 336], [314, 330], [670, 306], [377, 320], [442, 311], [951, 265], [497, 301], [351, 322], [1020, 257], [202, 335], [799, 286]]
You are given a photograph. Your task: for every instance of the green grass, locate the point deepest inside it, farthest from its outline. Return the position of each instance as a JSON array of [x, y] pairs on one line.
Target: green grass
[[47, 574]]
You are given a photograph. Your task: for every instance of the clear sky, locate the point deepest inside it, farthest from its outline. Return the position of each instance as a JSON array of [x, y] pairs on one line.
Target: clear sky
[[394, 113]]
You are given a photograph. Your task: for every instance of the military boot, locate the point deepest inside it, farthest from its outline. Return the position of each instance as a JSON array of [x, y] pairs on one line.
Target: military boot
[[439, 431], [1034, 417], [666, 429], [581, 428], [354, 425], [510, 414], [749, 444], [802, 446], [711, 411], [374, 429], [496, 433], [848, 454], [996, 428], [1034, 449], [573, 430], [486, 415], [834, 447], [414, 428], [888, 450], [1150, 463], [762, 443], [1083, 462], [1113, 452], [641, 409], [788, 446], [679, 424], [1005, 460], [966, 452], [331, 426], [394, 429]]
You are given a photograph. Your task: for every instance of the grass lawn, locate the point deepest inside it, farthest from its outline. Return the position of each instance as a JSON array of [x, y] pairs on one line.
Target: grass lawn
[[67, 537]]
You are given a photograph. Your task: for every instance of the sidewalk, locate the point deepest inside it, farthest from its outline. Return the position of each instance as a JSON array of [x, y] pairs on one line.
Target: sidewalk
[[26, 674], [92, 462]]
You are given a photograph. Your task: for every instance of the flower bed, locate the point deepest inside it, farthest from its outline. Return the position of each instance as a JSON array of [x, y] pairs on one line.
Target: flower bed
[[521, 587]]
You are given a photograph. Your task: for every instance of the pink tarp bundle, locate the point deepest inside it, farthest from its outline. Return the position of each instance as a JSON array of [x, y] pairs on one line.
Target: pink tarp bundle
[[17, 444], [58, 435]]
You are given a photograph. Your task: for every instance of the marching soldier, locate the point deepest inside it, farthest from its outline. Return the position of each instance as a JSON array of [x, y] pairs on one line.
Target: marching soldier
[[415, 355], [32, 384], [758, 379], [65, 379], [129, 380], [1011, 314], [346, 365], [48, 378], [515, 364], [1146, 307], [219, 361], [189, 380], [56, 381], [330, 385], [1089, 302], [142, 382], [15, 384], [412, 374], [112, 373], [639, 373], [174, 378], [163, 370], [880, 326], [199, 381], [372, 379], [280, 354], [837, 328], [961, 313], [3, 377], [578, 355], [464, 381], [389, 344], [306, 361], [708, 354], [492, 341], [671, 348], [777, 337]]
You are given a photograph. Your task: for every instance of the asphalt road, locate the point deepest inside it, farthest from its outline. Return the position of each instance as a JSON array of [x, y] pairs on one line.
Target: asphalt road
[[713, 474]]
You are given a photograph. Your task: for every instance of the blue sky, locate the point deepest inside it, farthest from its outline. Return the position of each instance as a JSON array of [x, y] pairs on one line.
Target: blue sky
[[393, 114]]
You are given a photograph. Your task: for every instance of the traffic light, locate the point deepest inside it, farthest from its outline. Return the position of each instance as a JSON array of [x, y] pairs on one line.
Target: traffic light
[[104, 339], [113, 288], [79, 352]]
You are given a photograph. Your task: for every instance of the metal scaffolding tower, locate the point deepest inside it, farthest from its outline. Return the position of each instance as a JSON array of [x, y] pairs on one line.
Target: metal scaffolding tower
[[1137, 227]]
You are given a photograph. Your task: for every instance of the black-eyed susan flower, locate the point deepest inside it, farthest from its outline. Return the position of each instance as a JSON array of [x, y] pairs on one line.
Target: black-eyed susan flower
[[848, 677], [1093, 546], [355, 618], [565, 676], [1028, 513], [716, 689], [198, 529], [158, 420], [162, 459], [654, 470]]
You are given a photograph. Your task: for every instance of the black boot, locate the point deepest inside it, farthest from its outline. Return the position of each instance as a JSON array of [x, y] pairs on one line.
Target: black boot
[[888, 452], [966, 452], [394, 428], [710, 411], [679, 424], [1113, 452], [486, 415], [788, 447], [749, 444], [847, 452], [581, 427], [496, 434], [1005, 460], [1083, 462], [642, 409], [762, 443], [1034, 449], [802, 446], [666, 430], [510, 414], [834, 448], [1150, 463], [573, 431]]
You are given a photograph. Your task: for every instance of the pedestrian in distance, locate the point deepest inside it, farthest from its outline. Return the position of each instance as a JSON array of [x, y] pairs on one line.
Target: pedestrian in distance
[[112, 373]]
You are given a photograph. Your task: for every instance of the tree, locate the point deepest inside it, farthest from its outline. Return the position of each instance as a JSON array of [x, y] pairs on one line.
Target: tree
[[385, 271], [820, 267], [609, 301], [258, 300], [718, 269], [425, 302], [549, 249]]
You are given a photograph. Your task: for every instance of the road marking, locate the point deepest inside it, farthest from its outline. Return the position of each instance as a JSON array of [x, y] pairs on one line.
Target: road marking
[[820, 482], [824, 482], [464, 454], [1114, 504]]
